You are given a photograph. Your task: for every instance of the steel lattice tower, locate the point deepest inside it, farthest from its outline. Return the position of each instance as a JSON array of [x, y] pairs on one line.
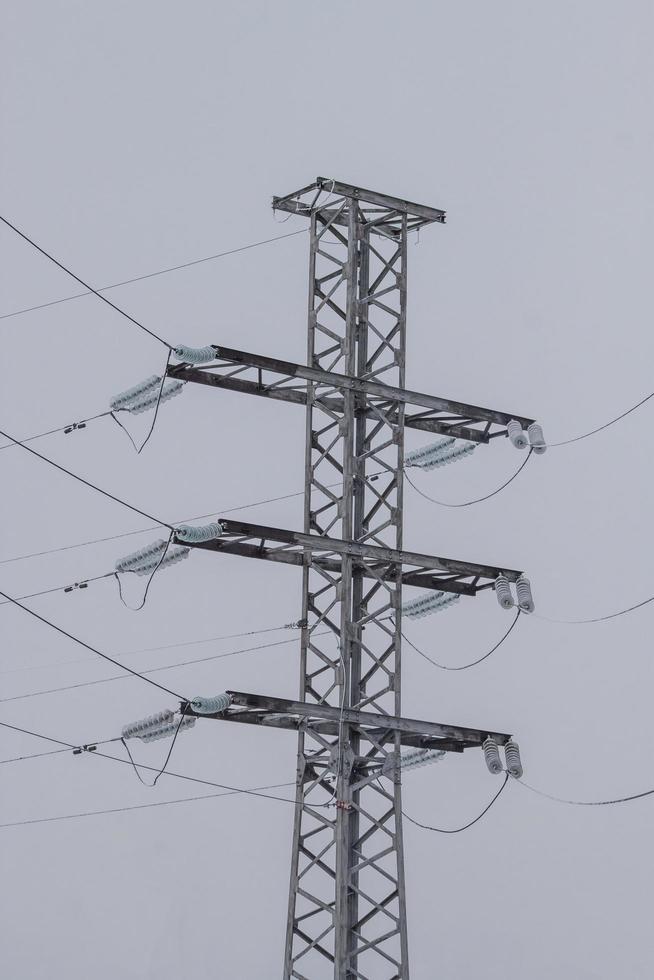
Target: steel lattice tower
[[346, 913], [347, 897]]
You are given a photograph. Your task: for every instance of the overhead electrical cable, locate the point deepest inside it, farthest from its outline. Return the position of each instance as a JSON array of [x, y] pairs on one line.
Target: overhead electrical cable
[[477, 500], [174, 775], [59, 588], [72, 426], [153, 527], [471, 823], [88, 646], [597, 619], [87, 483], [165, 646], [256, 790], [618, 418], [152, 275], [560, 799], [464, 666], [89, 288], [155, 670], [34, 755]]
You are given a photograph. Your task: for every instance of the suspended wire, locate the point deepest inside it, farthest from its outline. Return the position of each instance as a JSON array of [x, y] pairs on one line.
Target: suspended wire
[[618, 418], [597, 619], [154, 527], [174, 775], [131, 759], [62, 428], [48, 738], [166, 646], [478, 500], [125, 430], [458, 830], [87, 483], [34, 755], [560, 799], [59, 588], [156, 407], [167, 759], [87, 646], [151, 576], [465, 666], [89, 289], [156, 670], [256, 791], [151, 275]]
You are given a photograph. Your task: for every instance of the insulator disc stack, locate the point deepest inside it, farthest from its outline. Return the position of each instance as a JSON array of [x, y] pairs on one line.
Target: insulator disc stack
[[120, 401], [211, 706], [513, 761], [503, 592], [137, 729], [195, 535], [150, 399], [492, 756], [517, 435], [536, 438], [525, 598], [196, 355], [428, 603]]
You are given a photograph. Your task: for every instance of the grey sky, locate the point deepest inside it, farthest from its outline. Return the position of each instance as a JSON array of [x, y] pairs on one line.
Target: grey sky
[[138, 136]]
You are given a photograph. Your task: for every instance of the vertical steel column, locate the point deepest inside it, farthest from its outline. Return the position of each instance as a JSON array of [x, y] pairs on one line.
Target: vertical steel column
[[346, 906]]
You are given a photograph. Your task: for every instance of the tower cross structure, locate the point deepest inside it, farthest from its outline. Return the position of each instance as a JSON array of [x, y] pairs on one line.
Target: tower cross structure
[[347, 907]]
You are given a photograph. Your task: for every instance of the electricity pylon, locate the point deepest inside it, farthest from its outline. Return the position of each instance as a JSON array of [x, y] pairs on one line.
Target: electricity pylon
[[347, 913]]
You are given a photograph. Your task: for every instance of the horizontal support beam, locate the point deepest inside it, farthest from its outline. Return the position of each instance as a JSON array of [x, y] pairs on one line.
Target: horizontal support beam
[[293, 723], [368, 720], [236, 534], [288, 202], [331, 379]]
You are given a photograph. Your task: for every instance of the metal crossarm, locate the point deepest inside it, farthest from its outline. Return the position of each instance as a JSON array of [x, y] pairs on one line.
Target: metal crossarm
[[270, 377], [261, 709], [383, 214], [373, 561]]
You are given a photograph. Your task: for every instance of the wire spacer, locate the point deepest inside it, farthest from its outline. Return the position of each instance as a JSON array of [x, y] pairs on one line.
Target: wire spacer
[[84, 748]]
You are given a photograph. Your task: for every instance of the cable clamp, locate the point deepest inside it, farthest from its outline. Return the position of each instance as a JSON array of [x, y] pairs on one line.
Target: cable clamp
[[74, 426]]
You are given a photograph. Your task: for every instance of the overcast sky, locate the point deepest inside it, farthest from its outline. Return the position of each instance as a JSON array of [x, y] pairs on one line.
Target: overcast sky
[[137, 136]]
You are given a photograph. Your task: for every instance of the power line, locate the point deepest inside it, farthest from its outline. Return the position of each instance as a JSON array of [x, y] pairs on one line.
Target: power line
[[34, 755], [165, 646], [154, 670], [151, 275], [597, 619], [618, 418], [87, 483], [87, 646], [142, 806], [58, 588], [559, 799], [478, 500], [465, 666], [174, 775], [154, 527], [471, 823], [62, 428], [89, 289]]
